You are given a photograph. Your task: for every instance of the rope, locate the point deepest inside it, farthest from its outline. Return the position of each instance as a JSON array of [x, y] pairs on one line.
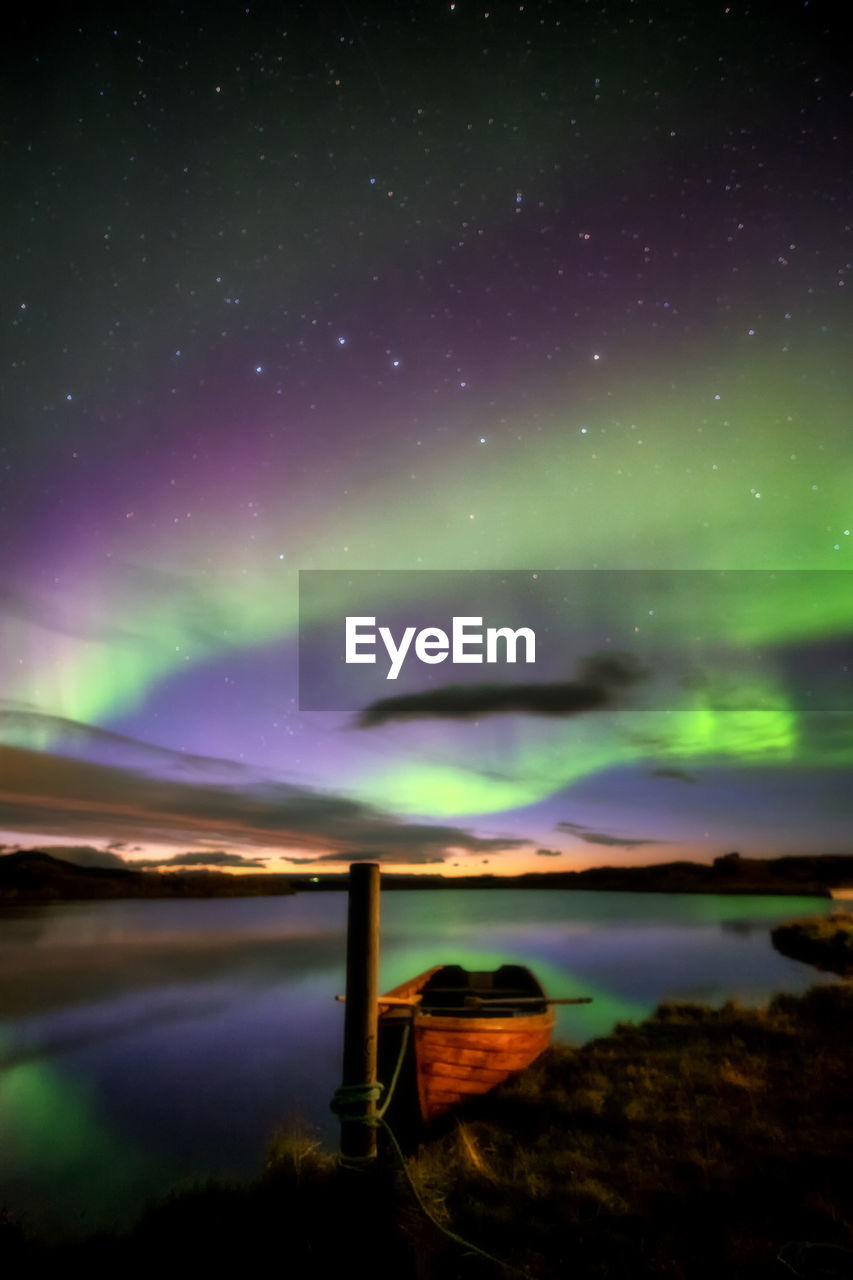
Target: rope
[[346, 1103], [404, 1044], [445, 1231], [797, 1254], [348, 1098]]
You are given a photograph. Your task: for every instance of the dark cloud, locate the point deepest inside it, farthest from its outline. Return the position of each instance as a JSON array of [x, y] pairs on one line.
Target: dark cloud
[[617, 842], [549, 853], [69, 736], [680, 774], [600, 677], [601, 837], [201, 860], [84, 855], [412, 857], [55, 795]]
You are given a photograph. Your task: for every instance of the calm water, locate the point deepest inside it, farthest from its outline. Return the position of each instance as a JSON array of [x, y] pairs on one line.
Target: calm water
[[143, 1044]]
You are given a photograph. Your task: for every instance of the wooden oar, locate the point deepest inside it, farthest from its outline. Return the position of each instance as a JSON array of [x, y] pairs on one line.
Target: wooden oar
[[403, 1000], [531, 999], [476, 1000]]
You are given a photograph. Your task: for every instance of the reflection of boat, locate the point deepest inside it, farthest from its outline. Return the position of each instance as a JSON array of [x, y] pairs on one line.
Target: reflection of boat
[[471, 1030]]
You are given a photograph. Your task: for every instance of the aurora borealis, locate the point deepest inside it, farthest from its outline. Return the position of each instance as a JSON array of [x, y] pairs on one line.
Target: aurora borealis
[[535, 287]]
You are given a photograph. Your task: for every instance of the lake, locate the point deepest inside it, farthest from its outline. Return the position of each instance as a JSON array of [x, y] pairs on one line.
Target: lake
[[147, 1044]]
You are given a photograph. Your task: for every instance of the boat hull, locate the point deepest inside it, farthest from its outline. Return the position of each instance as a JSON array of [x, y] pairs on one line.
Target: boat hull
[[458, 1057]]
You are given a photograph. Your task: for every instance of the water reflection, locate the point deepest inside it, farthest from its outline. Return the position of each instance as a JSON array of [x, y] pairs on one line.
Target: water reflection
[[145, 1043]]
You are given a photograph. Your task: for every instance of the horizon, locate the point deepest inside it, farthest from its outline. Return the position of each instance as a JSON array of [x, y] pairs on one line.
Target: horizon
[[184, 862]]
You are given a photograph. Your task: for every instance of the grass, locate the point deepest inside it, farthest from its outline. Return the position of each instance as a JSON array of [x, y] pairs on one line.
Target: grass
[[699, 1144], [824, 941]]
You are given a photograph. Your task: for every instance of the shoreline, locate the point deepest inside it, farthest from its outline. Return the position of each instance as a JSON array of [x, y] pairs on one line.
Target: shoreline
[[698, 1142], [823, 941], [32, 876]]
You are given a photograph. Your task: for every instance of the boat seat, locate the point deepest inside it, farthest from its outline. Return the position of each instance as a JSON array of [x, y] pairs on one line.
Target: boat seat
[[461, 990], [446, 988], [516, 976]]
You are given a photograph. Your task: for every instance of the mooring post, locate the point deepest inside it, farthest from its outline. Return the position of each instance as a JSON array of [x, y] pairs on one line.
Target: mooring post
[[358, 1134]]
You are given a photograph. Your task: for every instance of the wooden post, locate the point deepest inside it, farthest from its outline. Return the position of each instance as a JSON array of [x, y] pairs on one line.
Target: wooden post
[[358, 1140]]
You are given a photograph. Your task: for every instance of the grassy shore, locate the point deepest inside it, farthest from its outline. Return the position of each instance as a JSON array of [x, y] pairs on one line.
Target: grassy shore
[[824, 941], [701, 1143], [697, 1144]]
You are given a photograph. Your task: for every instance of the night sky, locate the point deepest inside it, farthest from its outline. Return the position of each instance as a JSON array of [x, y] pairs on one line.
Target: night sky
[[436, 286]]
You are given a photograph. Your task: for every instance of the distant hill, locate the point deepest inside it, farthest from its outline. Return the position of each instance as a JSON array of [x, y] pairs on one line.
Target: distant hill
[[34, 876], [807, 875]]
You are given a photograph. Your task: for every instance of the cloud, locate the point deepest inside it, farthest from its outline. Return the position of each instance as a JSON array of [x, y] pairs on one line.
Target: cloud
[[140, 591], [84, 855], [21, 726], [411, 857], [617, 842], [56, 795], [64, 617], [600, 837], [600, 677], [549, 853], [201, 860], [680, 774]]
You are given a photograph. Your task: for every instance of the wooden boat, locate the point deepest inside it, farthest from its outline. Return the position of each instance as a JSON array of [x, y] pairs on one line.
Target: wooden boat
[[471, 1030]]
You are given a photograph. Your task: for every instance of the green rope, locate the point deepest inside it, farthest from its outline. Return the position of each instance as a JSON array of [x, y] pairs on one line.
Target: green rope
[[404, 1044], [350, 1098], [445, 1231]]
